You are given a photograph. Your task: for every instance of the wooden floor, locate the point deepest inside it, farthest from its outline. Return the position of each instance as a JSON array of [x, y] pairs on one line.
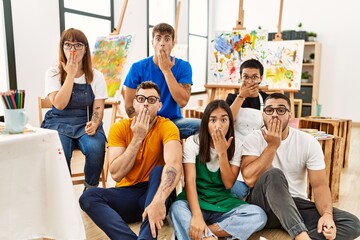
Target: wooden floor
[[349, 198]]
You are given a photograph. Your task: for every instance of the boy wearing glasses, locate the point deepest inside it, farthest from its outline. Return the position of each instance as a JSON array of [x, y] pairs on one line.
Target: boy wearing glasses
[[246, 107], [172, 75], [145, 158], [277, 161]]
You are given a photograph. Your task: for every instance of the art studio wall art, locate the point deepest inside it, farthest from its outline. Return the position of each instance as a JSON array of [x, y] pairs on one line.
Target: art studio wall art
[[284, 64], [109, 57], [230, 49]]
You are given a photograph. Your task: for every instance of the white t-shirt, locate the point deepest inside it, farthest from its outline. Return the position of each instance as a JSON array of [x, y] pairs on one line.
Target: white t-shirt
[[191, 150], [98, 85], [297, 153]]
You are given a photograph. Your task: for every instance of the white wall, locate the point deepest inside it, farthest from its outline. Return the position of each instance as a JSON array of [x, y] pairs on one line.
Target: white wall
[[337, 26], [36, 35]]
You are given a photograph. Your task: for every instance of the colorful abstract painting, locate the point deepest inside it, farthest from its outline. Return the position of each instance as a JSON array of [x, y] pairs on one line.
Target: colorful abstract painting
[[230, 49], [109, 57], [284, 64]]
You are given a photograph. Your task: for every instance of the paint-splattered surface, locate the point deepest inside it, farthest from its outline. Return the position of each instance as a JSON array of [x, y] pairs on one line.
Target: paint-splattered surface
[[109, 57], [230, 49], [284, 64]]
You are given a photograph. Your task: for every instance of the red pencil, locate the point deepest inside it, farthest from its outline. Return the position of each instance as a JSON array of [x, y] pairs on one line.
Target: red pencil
[[13, 100]]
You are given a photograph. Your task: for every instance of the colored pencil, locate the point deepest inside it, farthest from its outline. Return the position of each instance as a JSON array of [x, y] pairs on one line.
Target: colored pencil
[[13, 99]]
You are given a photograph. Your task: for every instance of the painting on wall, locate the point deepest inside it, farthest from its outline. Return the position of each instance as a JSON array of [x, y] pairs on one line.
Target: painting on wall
[[109, 57], [283, 64], [230, 49]]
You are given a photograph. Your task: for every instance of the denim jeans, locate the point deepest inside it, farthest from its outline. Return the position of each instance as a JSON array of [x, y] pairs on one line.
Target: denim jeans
[[187, 126], [239, 222], [113, 208], [93, 147], [240, 189], [296, 215]]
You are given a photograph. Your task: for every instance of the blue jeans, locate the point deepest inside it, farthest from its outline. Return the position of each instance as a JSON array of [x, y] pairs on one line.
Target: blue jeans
[[239, 222], [113, 208], [240, 189], [295, 215], [93, 147], [187, 126]]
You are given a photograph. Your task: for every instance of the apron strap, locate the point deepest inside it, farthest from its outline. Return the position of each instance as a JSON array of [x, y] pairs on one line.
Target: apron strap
[[261, 103]]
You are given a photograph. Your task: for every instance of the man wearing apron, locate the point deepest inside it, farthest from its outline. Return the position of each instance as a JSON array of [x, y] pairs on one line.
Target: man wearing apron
[[247, 107]]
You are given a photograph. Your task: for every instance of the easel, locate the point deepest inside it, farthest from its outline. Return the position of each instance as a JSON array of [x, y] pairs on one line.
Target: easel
[[278, 37], [116, 30], [115, 103], [240, 21], [219, 91], [177, 19]]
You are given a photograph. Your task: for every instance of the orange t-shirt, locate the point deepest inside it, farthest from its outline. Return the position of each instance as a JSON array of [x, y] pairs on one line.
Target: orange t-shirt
[[151, 151]]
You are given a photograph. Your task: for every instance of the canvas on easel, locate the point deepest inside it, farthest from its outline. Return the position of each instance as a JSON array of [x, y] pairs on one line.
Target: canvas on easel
[[109, 56], [283, 64], [230, 49]]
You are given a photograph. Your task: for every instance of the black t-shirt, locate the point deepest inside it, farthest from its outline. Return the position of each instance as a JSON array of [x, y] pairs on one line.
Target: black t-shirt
[[249, 102]]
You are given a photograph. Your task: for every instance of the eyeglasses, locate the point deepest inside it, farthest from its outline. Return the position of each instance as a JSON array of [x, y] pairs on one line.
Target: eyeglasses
[[279, 110], [255, 78], [77, 46], [150, 99]]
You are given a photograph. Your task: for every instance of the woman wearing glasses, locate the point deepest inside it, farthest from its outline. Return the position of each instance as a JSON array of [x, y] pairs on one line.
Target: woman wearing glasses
[[246, 107], [77, 93]]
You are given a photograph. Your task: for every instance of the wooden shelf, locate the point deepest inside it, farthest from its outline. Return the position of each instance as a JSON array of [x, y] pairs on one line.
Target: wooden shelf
[[310, 90], [308, 64]]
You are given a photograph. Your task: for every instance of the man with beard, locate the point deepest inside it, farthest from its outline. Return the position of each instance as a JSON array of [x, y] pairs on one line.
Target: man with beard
[[276, 162], [145, 157]]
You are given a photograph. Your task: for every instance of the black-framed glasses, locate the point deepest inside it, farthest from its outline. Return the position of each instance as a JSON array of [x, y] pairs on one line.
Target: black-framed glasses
[[279, 110], [150, 99], [77, 46], [254, 78]]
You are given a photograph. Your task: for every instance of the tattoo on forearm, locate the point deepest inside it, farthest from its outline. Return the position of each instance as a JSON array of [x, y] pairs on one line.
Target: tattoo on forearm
[[95, 117], [130, 110], [186, 86], [170, 176]]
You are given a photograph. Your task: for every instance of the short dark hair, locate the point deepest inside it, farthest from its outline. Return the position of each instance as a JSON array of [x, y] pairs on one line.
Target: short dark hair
[[163, 28], [252, 63], [204, 135], [148, 85], [278, 96]]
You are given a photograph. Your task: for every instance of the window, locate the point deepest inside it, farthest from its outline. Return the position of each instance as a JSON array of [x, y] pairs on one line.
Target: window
[[159, 11], [93, 17], [7, 53], [197, 45], [198, 42]]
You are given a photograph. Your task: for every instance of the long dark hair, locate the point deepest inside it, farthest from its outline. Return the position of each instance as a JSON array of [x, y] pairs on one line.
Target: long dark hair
[[204, 139]]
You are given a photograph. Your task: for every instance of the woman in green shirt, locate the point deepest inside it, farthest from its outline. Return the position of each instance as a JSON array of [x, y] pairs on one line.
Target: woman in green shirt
[[206, 209]]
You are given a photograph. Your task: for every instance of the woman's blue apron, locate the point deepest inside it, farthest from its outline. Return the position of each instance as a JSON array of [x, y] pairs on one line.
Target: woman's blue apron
[[71, 121]]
